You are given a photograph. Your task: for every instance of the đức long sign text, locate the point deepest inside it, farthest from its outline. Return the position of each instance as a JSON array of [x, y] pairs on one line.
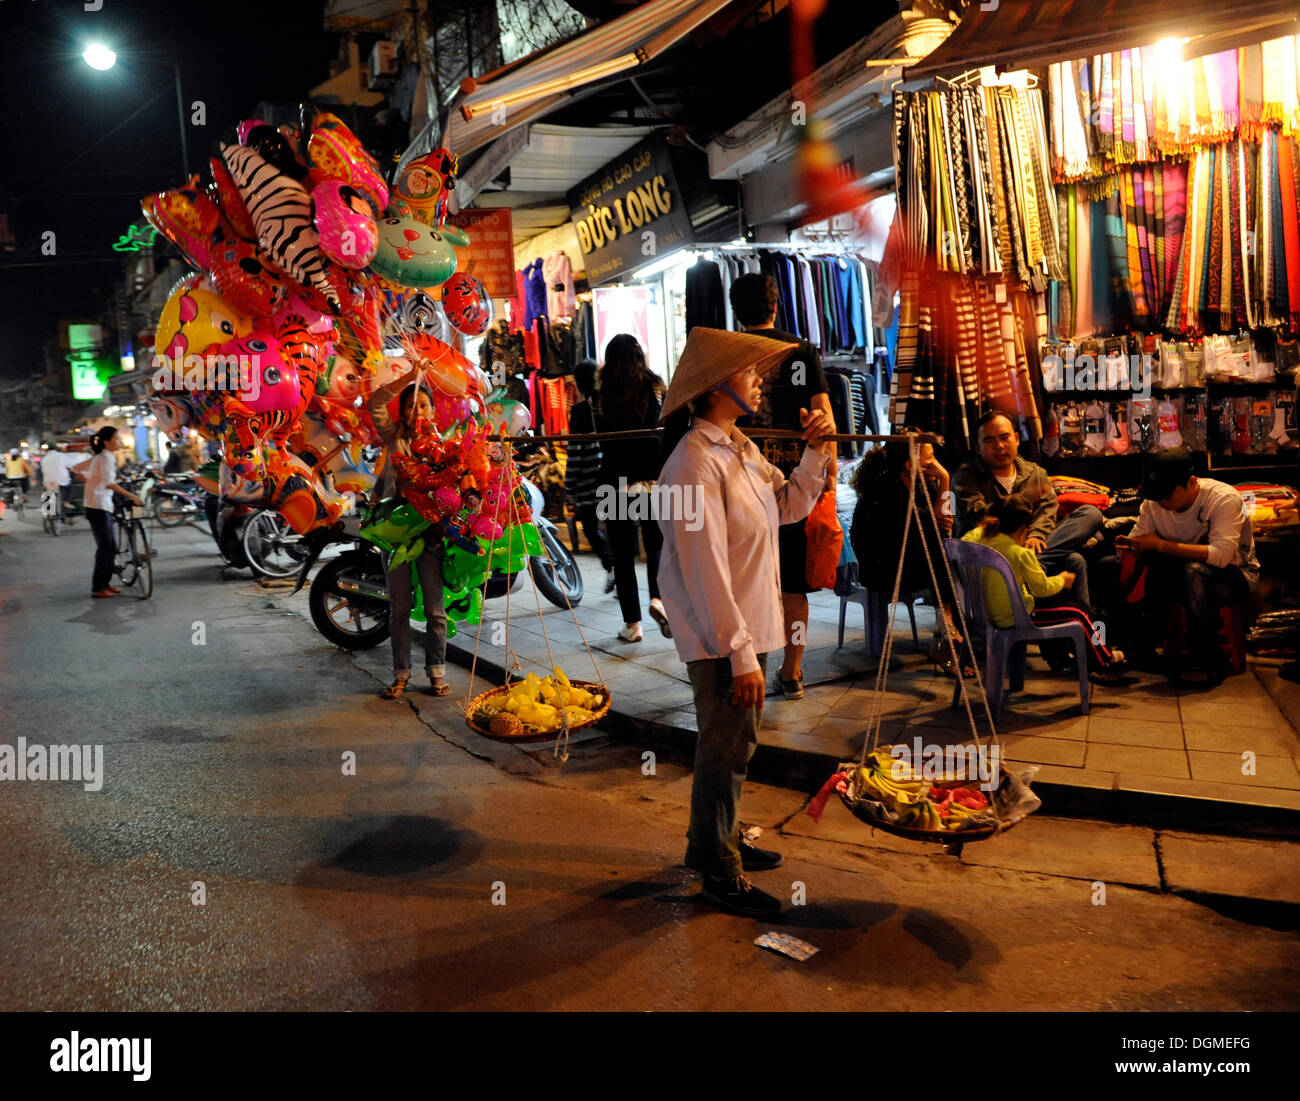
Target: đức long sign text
[[629, 213]]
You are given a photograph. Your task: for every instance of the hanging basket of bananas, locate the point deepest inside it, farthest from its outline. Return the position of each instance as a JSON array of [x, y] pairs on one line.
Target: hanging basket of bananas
[[536, 708], [890, 795]]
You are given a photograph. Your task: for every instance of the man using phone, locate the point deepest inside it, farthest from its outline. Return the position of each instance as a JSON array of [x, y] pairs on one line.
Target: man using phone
[[1196, 544]]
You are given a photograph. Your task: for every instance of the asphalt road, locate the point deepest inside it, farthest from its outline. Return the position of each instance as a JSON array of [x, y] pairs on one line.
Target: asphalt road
[[224, 767]]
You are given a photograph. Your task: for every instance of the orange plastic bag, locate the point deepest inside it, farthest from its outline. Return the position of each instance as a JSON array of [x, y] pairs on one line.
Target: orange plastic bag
[[825, 540]]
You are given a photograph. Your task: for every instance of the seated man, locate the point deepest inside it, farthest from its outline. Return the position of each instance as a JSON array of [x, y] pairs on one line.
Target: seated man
[[996, 472], [1197, 547]]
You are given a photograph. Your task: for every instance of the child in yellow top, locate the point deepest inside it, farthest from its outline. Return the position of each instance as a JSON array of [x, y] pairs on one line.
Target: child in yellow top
[[1048, 600]]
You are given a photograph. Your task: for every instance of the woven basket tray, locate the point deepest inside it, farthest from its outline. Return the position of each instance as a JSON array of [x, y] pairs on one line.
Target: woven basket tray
[[938, 837], [531, 734]]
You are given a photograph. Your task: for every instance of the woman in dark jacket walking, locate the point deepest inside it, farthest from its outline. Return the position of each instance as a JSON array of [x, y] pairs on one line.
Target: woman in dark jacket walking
[[630, 398]]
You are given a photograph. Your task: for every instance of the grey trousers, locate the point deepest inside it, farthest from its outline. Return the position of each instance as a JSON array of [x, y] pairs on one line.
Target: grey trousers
[[727, 740], [429, 565]]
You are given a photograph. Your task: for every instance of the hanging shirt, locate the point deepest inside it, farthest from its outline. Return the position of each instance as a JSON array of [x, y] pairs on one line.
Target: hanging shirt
[[558, 273], [704, 300], [534, 293]]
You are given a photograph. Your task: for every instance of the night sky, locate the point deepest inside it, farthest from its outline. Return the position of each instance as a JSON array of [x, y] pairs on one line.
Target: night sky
[[64, 166]]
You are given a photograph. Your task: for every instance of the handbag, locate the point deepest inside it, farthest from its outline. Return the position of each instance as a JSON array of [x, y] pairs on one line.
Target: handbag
[[825, 541]]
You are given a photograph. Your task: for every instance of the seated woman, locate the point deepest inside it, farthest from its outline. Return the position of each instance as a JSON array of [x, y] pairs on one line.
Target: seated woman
[[883, 483], [1048, 600]]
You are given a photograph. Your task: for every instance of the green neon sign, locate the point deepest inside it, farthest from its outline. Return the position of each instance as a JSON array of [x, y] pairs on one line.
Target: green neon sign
[[134, 239]]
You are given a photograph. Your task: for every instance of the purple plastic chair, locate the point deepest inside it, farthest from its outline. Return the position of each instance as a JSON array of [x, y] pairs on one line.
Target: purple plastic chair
[[1005, 646]]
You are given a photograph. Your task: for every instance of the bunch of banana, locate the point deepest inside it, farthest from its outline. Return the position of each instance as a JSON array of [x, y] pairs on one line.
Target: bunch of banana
[[922, 815], [876, 781], [961, 817]]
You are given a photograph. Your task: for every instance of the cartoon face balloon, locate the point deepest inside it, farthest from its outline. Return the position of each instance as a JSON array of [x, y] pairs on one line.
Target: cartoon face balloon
[[334, 153], [508, 416], [194, 319], [425, 184], [188, 217], [345, 221], [272, 380], [245, 281], [467, 304], [412, 254]]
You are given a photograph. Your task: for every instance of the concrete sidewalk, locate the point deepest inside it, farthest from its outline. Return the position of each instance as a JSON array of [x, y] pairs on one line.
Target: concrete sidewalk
[[1227, 758]]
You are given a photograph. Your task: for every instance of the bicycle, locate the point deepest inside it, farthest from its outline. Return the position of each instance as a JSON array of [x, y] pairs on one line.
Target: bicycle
[[51, 510], [134, 559]]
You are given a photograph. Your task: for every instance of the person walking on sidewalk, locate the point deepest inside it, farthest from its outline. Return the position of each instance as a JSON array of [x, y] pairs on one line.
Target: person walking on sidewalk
[[629, 398], [798, 383], [101, 483], [582, 471], [720, 577], [414, 405]]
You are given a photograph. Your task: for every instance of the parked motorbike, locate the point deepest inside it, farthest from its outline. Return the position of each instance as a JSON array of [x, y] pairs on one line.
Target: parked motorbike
[[349, 595]]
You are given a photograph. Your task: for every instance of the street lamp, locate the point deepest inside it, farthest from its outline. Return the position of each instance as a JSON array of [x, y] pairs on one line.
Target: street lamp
[[100, 57]]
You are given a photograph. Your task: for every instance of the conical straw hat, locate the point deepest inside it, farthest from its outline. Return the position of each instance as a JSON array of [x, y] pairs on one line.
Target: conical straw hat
[[712, 356]]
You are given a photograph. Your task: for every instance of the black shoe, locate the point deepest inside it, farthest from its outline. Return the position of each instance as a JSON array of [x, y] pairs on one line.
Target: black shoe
[[793, 689], [754, 859], [740, 896]]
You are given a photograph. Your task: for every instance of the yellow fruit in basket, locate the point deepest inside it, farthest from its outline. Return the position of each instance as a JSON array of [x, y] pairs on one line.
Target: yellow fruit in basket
[[506, 725], [577, 714], [560, 676]]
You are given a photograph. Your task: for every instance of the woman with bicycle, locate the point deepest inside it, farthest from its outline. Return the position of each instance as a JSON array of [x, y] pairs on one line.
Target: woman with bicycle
[[101, 483], [414, 404]]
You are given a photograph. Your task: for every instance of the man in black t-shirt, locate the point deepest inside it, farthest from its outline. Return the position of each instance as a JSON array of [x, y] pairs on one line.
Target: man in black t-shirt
[[799, 383]]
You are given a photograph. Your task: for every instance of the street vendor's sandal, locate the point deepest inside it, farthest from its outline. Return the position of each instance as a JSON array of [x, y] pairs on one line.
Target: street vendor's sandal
[[740, 896], [396, 690], [439, 687]]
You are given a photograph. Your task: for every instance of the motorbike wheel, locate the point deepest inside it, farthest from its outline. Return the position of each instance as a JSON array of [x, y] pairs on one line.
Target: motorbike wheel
[[559, 580], [271, 546], [347, 619], [171, 512]]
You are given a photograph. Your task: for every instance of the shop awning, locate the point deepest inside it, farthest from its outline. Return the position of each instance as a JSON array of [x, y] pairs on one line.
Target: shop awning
[[493, 104], [1017, 34]]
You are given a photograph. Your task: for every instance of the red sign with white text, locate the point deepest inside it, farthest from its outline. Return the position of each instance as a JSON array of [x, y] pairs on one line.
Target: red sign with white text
[[490, 256]]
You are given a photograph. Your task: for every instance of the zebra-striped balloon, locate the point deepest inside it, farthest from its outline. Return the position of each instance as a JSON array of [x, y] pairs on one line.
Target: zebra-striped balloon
[[282, 212]]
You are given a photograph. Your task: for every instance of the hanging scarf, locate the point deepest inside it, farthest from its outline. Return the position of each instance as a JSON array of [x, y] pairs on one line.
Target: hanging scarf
[[1120, 293], [1234, 235], [1157, 178], [1106, 127], [1280, 296], [1223, 177], [993, 132], [1125, 152], [1141, 151], [1214, 240], [1082, 211], [1291, 232], [1245, 234], [1250, 86], [1275, 53], [1175, 195]]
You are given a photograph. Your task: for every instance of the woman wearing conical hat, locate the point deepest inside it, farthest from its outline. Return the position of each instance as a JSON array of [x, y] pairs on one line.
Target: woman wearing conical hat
[[719, 576]]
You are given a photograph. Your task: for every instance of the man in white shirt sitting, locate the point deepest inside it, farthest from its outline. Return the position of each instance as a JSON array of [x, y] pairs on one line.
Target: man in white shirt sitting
[[1195, 537]]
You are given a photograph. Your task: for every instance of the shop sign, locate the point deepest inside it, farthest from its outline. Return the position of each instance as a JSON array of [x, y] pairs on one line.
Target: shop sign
[[490, 255], [629, 213]]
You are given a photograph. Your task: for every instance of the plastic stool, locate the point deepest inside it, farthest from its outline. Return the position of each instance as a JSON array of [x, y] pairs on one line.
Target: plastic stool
[[877, 614], [1232, 634]]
